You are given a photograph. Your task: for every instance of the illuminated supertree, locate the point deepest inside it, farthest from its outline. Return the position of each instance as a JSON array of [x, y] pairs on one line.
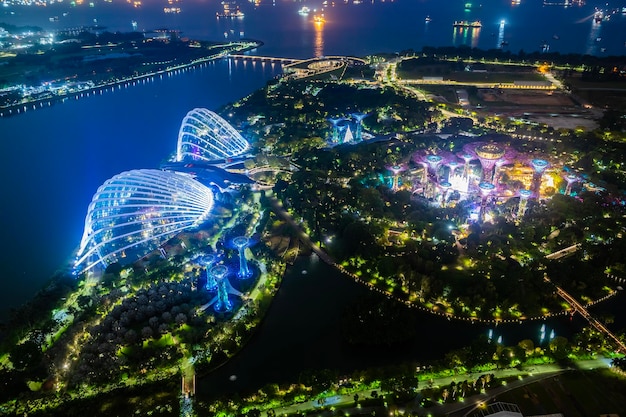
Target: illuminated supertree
[[571, 179], [486, 188], [358, 132], [539, 167], [496, 170], [335, 132], [208, 261], [396, 170], [433, 164], [488, 154], [241, 243], [524, 195], [219, 273], [445, 186], [452, 166], [466, 159], [341, 129], [434, 161]]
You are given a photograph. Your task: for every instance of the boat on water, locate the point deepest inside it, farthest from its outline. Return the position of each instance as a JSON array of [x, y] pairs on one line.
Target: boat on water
[[467, 24], [319, 18], [470, 6], [230, 9], [598, 16], [304, 11], [428, 19]]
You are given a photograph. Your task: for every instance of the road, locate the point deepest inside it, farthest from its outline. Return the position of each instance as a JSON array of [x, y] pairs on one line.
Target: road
[[528, 376]]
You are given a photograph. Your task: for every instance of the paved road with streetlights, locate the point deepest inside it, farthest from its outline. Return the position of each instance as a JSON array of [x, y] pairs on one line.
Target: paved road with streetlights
[[527, 376]]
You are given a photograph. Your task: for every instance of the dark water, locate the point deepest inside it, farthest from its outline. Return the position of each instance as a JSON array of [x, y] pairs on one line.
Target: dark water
[[303, 331], [371, 26]]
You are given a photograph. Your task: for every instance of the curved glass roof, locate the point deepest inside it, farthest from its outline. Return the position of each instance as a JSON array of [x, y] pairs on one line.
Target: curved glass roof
[[136, 211], [204, 135]]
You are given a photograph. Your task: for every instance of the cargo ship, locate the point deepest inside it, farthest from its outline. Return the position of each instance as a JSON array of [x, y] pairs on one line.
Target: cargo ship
[[230, 9], [466, 24]]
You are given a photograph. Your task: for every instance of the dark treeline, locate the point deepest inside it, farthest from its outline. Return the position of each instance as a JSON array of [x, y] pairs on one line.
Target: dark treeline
[[521, 55]]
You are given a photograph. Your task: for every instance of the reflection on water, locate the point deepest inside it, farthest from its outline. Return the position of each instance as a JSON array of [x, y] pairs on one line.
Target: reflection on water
[[500, 43], [318, 46], [474, 35], [466, 36], [593, 39]]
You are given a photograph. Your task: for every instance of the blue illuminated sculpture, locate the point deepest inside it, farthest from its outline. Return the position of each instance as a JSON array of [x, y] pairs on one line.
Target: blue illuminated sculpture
[[358, 117], [241, 243], [334, 121], [208, 261], [219, 273]]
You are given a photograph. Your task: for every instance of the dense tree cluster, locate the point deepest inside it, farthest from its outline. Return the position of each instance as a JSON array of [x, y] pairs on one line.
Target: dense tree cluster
[[149, 313], [289, 117]]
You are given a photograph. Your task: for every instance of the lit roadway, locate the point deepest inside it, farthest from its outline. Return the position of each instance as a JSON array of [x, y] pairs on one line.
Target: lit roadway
[[558, 84], [470, 404]]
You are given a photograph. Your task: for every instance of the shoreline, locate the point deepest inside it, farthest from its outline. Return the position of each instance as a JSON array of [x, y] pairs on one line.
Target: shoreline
[[32, 105]]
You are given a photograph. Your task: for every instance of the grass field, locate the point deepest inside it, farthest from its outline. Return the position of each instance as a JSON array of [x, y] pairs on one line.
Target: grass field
[[574, 394]]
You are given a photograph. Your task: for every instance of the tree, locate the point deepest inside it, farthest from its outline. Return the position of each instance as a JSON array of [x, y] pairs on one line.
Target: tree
[[181, 318], [560, 347], [146, 333], [25, 355], [528, 346]]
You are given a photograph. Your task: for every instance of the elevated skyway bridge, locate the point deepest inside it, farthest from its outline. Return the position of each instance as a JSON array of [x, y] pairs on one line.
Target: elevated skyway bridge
[[579, 308], [271, 59]]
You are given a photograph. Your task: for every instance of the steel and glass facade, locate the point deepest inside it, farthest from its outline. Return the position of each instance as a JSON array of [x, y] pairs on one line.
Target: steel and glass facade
[[205, 136], [136, 211]]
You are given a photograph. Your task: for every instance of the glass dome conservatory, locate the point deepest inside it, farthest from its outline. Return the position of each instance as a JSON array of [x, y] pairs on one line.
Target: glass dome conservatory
[[136, 211], [205, 136]]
